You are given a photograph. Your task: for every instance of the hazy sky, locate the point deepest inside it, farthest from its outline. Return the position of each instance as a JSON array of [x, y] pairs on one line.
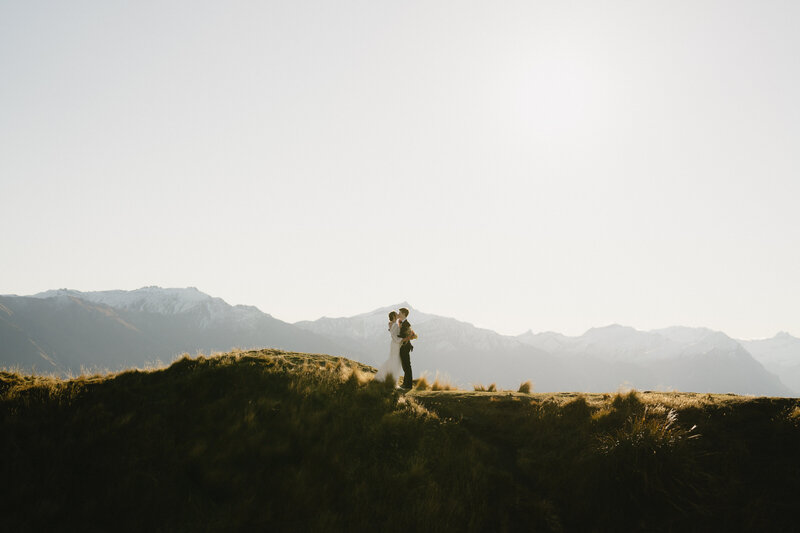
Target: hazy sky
[[544, 165]]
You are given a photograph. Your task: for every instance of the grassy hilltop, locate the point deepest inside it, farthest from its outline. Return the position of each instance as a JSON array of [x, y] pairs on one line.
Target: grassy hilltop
[[269, 440]]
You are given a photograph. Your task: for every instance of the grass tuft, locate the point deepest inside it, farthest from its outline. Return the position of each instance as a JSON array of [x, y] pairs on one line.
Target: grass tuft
[[525, 388], [422, 384], [442, 384], [647, 433]]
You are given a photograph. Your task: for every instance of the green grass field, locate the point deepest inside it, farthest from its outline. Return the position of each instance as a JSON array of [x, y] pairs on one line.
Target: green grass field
[[276, 441]]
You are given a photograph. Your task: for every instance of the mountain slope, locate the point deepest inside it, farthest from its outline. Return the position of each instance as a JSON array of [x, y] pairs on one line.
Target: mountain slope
[[780, 354], [63, 331]]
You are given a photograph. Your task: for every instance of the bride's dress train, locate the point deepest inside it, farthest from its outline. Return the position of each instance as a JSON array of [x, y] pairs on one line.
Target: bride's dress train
[[392, 366]]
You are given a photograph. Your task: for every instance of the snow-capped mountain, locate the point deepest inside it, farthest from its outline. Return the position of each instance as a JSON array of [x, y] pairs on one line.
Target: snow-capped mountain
[[166, 301], [698, 340], [614, 343], [548, 341], [682, 358], [150, 299], [623, 343], [66, 330]]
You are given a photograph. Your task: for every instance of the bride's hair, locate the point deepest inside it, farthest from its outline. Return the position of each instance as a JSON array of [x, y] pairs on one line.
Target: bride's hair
[[392, 316]]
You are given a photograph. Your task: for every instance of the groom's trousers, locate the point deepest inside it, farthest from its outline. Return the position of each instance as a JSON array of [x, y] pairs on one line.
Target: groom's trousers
[[405, 360]]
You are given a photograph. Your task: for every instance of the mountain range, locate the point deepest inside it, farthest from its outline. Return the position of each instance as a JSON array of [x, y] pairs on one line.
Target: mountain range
[[67, 331]]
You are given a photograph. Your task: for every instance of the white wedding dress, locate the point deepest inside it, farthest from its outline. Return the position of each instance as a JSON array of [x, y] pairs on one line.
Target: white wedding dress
[[392, 366]]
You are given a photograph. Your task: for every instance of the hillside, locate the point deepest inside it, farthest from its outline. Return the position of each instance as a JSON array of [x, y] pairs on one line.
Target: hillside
[[270, 441]]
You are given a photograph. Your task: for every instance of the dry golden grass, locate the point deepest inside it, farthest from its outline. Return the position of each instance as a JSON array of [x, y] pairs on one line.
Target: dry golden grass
[[422, 384], [257, 439], [441, 383]]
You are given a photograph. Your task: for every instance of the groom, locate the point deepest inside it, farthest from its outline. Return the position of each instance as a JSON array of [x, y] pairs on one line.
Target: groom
[[405, 347]]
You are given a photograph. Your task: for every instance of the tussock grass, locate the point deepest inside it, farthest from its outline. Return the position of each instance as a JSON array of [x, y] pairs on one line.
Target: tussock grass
[[440, 383], [271, 440], [650, 432], [389, 382], [525, 387], [422, 384]]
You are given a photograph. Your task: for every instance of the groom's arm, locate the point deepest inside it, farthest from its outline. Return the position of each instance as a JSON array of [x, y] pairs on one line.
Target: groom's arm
[[405, 334]]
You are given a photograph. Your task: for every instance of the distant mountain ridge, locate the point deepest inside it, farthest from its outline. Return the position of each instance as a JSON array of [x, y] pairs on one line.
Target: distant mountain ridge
[[617, 342], [677, 357], [780, 355], [64, 330], [164, 301]]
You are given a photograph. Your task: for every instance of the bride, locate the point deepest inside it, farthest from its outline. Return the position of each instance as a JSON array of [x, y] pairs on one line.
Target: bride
[[392, 366]]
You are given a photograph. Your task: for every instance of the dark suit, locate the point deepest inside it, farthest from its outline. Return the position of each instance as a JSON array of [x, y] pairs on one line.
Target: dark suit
[[405, 354]]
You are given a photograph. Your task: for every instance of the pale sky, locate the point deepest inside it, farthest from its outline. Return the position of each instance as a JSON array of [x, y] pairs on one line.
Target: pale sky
[[517, 165]]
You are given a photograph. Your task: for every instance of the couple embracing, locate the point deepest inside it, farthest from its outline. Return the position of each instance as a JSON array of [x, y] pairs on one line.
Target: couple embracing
[[400, 348]]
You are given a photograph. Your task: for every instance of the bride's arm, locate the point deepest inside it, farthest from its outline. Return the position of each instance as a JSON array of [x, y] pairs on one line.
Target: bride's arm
[[395, 331]]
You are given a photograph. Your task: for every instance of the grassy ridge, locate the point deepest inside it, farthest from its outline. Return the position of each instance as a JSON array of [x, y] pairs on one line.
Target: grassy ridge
[[271, 440]]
